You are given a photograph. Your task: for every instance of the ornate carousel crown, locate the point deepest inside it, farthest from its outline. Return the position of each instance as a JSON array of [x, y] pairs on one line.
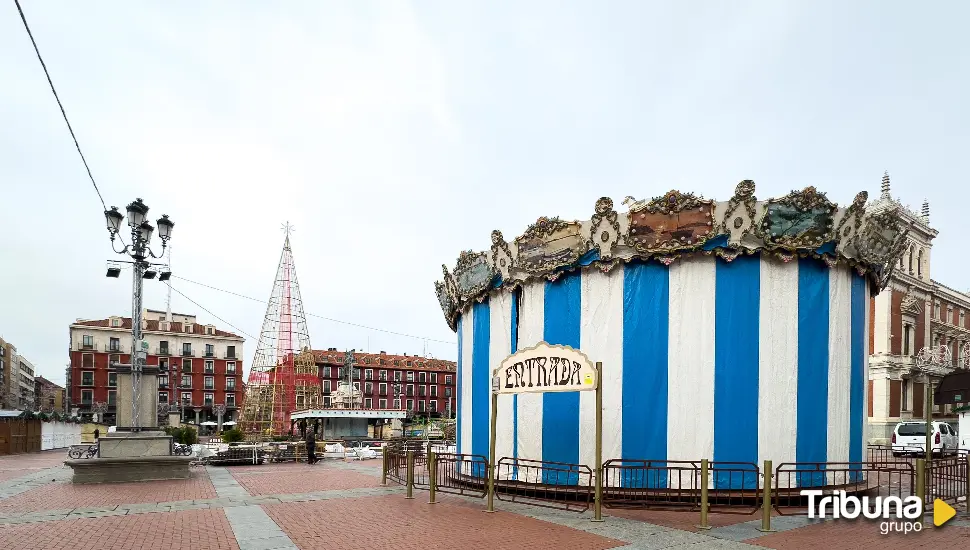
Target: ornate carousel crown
[[803, 223]]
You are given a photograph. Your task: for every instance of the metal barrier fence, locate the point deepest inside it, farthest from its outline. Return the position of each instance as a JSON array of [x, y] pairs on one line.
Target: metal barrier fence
[[546, 484], [884, 479], [946, 479], [461, 474], [657, 484], [395, 467], [733, 487], [704, 486], [890, 454]]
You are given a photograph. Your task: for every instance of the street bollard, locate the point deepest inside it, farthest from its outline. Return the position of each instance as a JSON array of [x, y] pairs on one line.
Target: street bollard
[[766, 501], [432, 475], [705, 523], [410, 475], [921, 484]]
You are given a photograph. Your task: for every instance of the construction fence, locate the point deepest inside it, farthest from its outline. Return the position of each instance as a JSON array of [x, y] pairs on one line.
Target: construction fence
[[698, 486]]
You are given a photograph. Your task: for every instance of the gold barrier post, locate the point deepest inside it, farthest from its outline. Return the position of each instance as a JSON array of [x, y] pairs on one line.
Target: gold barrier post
[[705, 523], [432, 474], [967, 477], [491, 456], [384, 462], [410, 475], [766, 501], [928, 399], [921, 483], [598, 496]]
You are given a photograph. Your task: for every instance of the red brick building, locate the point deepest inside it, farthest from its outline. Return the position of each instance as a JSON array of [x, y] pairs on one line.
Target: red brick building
[[418, 384], [205, 365]]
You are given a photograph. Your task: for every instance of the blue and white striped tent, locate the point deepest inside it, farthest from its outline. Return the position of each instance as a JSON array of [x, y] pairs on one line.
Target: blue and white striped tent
[[733, 357]]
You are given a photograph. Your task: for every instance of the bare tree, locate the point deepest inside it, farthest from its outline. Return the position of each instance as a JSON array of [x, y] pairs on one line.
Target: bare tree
[[47, 398], [13, 398]]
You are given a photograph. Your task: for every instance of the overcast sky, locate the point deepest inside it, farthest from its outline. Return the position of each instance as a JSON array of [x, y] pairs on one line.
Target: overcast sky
[[395, 134]]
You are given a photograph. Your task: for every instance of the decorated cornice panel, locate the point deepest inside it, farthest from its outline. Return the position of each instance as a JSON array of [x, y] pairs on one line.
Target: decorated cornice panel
[[674, 225]]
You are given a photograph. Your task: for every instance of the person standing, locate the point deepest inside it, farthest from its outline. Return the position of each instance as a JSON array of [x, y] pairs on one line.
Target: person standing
[[311, 447], [97, 434]]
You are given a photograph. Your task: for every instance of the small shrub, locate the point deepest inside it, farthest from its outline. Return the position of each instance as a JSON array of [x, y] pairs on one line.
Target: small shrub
[[185, 435], [233, 436]]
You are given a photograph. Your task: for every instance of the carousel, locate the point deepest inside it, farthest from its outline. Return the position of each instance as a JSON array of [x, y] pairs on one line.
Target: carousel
[[729, 330]]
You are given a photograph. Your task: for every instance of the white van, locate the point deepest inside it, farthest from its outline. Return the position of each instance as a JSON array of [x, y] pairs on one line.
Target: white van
[[909, 438]]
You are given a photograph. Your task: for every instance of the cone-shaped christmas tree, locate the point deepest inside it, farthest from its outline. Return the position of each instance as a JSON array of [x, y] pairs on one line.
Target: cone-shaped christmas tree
[[283, 376]]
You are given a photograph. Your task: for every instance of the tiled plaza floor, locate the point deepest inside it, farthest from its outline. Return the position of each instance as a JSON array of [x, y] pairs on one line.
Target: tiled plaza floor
[[300, 478], [191, 529], [342, 504]]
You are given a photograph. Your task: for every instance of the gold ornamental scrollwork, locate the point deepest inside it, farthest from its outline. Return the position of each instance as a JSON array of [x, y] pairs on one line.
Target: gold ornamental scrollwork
[[548, 244], [473, 274], [740, 211], [604, 228], [674, 221], [800, 219]]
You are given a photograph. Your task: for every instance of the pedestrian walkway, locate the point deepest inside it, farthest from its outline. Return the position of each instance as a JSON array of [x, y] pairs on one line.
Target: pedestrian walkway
[[287, 506]]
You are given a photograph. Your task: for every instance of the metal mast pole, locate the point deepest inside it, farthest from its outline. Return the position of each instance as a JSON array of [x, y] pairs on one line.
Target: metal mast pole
[[137, 284]]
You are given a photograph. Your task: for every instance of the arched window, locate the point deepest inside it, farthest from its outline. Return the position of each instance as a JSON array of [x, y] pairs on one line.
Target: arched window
[[919, 263], [911, 260]]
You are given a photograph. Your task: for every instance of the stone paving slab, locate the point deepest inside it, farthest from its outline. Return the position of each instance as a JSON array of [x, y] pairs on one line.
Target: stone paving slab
[[255, 530], [749, 529]]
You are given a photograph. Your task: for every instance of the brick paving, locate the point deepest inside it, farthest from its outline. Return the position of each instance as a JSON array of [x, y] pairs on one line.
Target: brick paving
[[7, 475], [195, 529], [301, 478], [64, 495], [683, 519], [406, 524], [286, 506], [841, 535]]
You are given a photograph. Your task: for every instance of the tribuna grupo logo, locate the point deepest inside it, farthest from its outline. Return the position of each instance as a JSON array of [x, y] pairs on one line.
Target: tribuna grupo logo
[[899, 515]]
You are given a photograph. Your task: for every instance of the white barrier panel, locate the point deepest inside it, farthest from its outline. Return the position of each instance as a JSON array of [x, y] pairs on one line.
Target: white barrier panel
[[59, 435]]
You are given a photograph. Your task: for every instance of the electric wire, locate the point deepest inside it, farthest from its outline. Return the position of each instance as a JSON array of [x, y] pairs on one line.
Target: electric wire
[[332, 320], [203, 308], [98, 191], [59, 104]]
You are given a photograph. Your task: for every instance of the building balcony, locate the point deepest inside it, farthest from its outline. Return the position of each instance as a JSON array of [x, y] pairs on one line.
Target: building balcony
[[187, 353], [210, 354], [163, 385], [108, 348], [163, 352], [230, 356], [85, 347]]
